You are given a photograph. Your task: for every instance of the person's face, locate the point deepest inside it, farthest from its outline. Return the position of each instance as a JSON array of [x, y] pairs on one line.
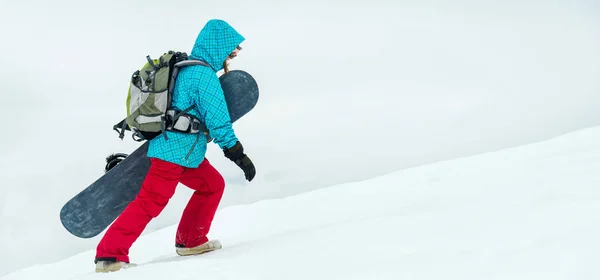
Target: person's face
[[234, 53]]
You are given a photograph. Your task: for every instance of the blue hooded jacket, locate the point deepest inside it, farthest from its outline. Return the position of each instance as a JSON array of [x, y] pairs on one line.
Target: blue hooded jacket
[[199, 85]]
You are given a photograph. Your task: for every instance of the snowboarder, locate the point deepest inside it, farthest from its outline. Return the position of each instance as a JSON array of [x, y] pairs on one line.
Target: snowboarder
[[181, 158]]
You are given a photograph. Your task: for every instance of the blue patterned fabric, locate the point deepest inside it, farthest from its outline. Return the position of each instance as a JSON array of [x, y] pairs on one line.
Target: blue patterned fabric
[[200, 85]]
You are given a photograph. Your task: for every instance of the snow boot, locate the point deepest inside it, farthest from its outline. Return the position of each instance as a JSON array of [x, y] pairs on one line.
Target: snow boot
[[111, 266], [201, 249]]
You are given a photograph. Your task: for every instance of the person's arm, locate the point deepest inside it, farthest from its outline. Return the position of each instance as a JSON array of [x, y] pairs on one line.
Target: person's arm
[[212, 106]]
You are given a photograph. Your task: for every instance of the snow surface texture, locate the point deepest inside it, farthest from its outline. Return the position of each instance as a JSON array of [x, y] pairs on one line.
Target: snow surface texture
[[525, 213], [349, 90]]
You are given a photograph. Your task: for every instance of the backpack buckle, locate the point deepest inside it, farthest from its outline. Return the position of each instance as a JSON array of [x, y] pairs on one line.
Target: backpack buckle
[[183, 123]]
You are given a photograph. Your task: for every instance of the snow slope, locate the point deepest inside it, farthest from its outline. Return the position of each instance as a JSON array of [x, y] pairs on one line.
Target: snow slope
[[530, 212]]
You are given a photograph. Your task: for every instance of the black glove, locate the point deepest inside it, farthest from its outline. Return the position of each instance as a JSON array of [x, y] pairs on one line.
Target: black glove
[[236, 154]]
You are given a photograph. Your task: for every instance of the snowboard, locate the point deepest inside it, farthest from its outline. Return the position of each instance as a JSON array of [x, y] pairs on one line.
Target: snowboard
[[92, 210]]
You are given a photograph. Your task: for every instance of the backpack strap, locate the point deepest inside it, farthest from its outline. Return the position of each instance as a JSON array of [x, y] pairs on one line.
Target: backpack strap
[[183, 112], [175, 72], [191, 61], [123, 126]]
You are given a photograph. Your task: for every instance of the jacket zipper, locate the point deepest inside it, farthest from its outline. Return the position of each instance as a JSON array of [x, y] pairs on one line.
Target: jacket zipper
[[193, 146]]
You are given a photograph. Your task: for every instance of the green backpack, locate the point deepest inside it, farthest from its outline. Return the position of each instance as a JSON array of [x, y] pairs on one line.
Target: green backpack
[[149, 111]]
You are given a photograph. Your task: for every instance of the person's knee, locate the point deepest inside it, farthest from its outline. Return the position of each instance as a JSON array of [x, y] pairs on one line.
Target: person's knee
[[217, 184]]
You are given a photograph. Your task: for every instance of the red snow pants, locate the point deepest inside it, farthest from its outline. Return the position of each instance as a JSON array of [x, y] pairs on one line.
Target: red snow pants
[[158, 187]]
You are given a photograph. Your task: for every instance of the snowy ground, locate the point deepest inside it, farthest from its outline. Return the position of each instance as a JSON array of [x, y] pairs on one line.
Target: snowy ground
[[530, 212]]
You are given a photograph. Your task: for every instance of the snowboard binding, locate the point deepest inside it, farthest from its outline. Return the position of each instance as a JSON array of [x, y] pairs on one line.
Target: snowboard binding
[[113, 160]]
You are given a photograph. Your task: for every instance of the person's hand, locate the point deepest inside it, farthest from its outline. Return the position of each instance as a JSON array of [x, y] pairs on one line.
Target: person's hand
[[236, 154]]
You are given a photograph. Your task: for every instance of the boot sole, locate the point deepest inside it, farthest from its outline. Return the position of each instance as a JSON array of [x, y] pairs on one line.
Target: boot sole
[[114, 267], [212, 246]]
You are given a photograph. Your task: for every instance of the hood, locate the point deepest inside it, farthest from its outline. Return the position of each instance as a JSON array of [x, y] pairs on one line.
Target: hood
[[215, 42]]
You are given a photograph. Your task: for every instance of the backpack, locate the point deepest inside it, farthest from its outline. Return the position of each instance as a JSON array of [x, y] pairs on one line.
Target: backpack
[[149, 110]]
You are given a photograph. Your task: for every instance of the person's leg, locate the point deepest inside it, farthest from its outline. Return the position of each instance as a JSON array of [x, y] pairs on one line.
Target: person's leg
[[158, 187], [198, 215]]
